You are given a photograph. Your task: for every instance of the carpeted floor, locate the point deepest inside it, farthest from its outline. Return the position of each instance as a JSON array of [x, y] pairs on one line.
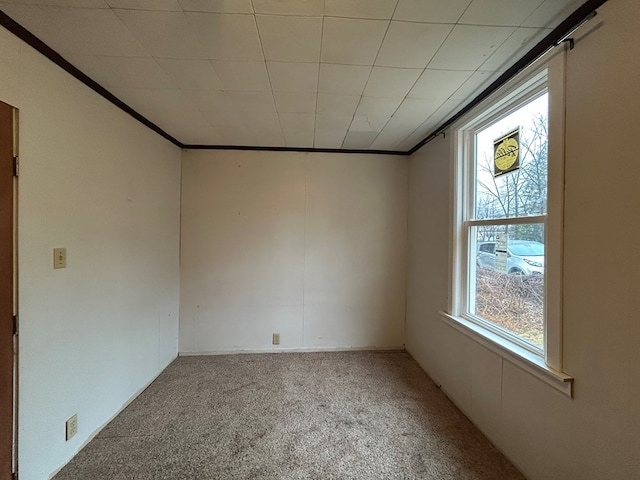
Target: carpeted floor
[[356, 415]]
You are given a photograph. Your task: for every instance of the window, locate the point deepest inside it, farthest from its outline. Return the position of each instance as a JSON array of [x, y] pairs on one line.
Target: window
[[506, 263]]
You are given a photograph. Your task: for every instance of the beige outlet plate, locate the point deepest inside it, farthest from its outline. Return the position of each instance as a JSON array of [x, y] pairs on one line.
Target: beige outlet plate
[[71, 427], [59, 258], [276, 339]]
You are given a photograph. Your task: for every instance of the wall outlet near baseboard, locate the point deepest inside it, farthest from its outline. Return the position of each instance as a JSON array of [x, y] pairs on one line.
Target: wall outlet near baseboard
[[71, 427], [276, 339]]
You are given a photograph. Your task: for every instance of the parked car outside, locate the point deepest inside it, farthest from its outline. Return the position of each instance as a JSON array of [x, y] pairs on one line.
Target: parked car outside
[[524, 257]]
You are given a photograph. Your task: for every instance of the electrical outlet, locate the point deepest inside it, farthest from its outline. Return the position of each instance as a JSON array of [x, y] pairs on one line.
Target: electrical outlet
[[59, 258], [276, 339], [71, 427]]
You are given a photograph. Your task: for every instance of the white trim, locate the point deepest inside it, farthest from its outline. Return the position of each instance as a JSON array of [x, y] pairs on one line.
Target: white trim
[[545, 75], [514, 354], [293, 350]]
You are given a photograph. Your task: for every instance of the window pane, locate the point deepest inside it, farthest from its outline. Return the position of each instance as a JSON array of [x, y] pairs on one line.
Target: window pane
[[509, 279], [523, 190]]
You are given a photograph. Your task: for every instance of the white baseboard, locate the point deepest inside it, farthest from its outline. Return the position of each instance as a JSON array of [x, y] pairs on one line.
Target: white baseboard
[[99, 429], [293, 350]]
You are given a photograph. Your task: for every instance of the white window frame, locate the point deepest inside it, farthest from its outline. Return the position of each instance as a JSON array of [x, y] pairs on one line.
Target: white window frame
[[546, 74]]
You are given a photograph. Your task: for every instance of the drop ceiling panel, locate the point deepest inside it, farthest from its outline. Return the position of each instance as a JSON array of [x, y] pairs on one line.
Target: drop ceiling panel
[[328, 138], [163, 34], [217, 6], [80, 31], [399, 48], [227, 36], [314, 8], [243, 76], [295, 102], [339, 104], [391, 82], [469, 46], [290, 39], [547, 14], [439, 84], [431, 11], [301, 73], [352, 41], [499, 12], [124, 71], [343, 79], [377, 9], [191, 74], [293, 77], [167, 5], [298, 138]]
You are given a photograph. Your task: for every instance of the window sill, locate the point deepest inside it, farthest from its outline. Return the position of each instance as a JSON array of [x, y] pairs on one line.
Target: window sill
[[514, 354]]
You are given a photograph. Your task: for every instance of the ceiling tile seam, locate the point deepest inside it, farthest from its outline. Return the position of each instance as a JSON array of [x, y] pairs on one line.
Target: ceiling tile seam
[[369, 77], [315, 112], [370, 73], [264, 57]]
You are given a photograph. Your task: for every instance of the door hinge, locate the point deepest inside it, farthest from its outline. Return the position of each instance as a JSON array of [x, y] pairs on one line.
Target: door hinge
[[14, 476], [16, 166], [15, 324]]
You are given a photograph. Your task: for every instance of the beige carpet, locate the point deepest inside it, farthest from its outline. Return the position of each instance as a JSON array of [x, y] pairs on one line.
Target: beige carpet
[[356, 415]]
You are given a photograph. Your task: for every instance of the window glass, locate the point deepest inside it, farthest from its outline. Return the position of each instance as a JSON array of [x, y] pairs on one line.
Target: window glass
[[523, 191]]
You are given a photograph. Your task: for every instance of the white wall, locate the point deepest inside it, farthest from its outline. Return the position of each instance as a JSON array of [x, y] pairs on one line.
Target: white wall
[[549, 436], [308, 245], [97, 182]]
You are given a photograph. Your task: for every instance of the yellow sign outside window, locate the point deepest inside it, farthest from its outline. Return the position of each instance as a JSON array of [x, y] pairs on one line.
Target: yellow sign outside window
[[506, 153]]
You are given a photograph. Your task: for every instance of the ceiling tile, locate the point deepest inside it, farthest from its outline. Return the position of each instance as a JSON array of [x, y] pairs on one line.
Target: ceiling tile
[[297, 121], [101, 31], [352, 41], [145, 100], [222, 118], [380, 9], [391, 82], [333, 121], [499, 12], [390, 137], [261, 102], [293, 77], [551, 13], [431, 11], [123, 71], [191, 74], [399, 46], [473, 86], [214, 102], [243, 76], [469, 46], [520, 41], [329, 138], [313, 8], [298, 138], [338, 104], [227, 36], [217, 6], [168, 5], [294, 102], [343, 79], [63, 3], [368, 123], [260, 121], [290, 39], [163, 34], [372, 106], [359, 140], [439, 83], [414, 111], [266, 138]]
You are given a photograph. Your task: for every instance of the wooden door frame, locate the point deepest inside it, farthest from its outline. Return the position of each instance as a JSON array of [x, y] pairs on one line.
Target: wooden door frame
[[8, 292]]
